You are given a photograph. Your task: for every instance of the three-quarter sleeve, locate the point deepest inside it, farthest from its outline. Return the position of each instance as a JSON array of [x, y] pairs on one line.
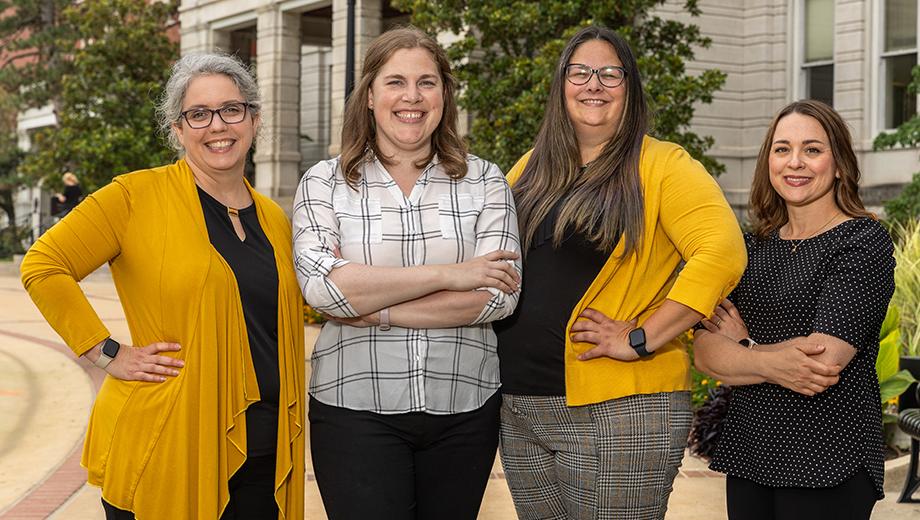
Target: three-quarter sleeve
[[86, 238], [855, 293], [316, 240], [696, 217], [497, 228]]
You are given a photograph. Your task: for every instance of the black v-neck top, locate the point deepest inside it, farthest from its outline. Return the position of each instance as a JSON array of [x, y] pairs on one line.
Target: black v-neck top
[[531, 342], [253, 264]]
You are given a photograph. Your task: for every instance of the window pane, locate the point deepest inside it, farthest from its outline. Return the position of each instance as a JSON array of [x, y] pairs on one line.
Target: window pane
[[819, 83], [819, 30], [900, 24], [899, 104]]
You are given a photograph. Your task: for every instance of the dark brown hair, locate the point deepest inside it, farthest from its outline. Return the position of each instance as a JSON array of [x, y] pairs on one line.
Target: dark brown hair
[[768, 209], [359, 130], [604, 201]]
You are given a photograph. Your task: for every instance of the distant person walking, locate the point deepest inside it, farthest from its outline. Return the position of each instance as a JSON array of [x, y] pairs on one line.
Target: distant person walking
[[69, 198], [798, 338], [202, 416]]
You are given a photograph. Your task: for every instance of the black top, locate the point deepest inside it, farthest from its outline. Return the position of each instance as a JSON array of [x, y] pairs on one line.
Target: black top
[[531, 342], [253, 264], [837, 283]]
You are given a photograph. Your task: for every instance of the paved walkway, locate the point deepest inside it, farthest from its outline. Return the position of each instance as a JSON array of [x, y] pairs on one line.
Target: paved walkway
[[46, 395]]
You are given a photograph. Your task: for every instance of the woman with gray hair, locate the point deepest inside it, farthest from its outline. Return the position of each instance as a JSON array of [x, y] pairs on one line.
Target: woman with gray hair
[[189, 423]]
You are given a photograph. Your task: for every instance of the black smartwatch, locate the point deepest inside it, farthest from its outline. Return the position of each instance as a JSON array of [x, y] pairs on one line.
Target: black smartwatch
[[110, 349], [637, 342]]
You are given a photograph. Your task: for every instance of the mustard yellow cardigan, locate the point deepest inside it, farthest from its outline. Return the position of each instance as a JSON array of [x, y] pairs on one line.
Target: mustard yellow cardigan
[[166, 450], [686, 218]]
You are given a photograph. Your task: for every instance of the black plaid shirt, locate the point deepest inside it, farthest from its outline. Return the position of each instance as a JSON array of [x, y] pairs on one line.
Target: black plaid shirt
[[442, 221]]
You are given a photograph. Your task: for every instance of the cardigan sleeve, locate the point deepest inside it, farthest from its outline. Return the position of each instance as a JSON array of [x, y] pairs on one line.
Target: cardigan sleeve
[[699, 222], [86, 238]]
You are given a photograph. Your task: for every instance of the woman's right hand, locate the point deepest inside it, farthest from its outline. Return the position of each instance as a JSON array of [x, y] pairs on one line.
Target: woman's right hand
[[794, 367], [495, 269], [145, 363]]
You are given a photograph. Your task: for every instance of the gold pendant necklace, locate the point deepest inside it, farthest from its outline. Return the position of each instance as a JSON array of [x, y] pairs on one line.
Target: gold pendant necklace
[[795, 244], [233, 212]]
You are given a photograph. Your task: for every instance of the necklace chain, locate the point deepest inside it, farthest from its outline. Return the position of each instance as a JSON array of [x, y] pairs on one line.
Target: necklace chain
[[795, 244]]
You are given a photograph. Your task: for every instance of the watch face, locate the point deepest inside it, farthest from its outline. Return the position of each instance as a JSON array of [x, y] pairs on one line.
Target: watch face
[[110, 348], [637, 337]]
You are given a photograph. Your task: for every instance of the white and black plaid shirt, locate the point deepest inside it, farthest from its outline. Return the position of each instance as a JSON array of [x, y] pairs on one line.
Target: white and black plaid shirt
[[439, 371]]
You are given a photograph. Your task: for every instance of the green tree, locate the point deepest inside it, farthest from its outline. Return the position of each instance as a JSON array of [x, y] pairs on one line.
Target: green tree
[[106, 120], [906, 205], [9, 154], [507, 49], [36, 46]]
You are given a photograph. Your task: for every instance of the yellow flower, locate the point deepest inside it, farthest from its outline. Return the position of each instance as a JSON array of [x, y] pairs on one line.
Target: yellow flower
[[718, 383], [704, 382]]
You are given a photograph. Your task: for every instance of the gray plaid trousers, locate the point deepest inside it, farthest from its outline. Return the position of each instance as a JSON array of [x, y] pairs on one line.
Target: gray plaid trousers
[[614, 460]]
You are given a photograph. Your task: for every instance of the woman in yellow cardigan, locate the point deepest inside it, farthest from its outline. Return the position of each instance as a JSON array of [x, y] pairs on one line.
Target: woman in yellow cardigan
[[202, 416], [628, 243]]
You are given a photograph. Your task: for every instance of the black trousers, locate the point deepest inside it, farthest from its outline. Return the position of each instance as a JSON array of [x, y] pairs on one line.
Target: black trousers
[[851, 500], [412, 466], [252, 493]]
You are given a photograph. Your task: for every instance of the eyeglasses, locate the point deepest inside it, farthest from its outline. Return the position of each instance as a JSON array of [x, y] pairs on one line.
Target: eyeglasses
[[231, 113], [579, 74]]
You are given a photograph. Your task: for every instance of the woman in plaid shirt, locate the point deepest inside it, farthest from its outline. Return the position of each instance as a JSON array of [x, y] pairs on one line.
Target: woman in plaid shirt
[[410, 245]]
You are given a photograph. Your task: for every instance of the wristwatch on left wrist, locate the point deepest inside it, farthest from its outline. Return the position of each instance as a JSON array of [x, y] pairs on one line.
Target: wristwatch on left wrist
[[109, 350], [637, 342]]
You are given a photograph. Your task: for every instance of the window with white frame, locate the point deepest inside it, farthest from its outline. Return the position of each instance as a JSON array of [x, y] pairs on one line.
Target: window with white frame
[[899, 55], [818, 56]]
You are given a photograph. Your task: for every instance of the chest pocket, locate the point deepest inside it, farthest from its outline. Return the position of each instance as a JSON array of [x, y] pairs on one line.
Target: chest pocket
[[360, 220], [458, 215]]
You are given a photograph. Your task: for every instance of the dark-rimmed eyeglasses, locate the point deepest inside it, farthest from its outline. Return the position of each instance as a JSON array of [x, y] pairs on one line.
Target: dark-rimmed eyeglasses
[[579, 74], [231, 113]]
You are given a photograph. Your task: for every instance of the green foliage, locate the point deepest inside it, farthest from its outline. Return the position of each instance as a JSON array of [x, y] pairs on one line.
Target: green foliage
[[908, 134], [106, 121], [507, 49], [37, 45], [907, 284], [10, 156], [891, 382], [906, 206], [889, 345]]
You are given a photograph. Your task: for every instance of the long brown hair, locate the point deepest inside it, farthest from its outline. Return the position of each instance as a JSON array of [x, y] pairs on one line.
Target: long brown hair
[[768, 209], [359, 130], [605, 200]]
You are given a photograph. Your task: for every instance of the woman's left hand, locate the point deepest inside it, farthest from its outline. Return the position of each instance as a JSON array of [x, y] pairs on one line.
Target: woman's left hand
[[726, 320], [611, 336]]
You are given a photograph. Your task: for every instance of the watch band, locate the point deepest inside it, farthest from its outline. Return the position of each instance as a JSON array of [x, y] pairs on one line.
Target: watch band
[[637, 342], [747, 342], [107, 353], [384, 319]]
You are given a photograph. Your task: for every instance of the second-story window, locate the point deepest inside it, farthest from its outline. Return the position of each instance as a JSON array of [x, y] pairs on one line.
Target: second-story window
[[899, 55], [818, 59]]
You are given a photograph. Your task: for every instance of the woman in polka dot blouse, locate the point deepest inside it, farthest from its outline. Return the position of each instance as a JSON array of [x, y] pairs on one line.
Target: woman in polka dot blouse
[[798, 337]]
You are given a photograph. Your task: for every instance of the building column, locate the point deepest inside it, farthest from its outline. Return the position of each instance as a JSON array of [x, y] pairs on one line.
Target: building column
[[367, 27], [277, 154]]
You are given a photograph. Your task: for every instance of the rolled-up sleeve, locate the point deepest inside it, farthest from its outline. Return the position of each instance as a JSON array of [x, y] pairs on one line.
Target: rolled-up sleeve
[[316, 240], [698, 220], [497, 228]]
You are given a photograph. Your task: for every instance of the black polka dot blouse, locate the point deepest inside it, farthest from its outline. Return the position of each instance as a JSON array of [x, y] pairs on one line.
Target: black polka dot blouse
[[837, 283]]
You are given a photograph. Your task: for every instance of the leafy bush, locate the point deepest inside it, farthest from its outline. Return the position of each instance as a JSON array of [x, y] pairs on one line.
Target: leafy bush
[[907, 284], [905, 207]]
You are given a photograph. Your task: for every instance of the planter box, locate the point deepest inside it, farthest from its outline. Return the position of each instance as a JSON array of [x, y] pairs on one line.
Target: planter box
[[909, 397]]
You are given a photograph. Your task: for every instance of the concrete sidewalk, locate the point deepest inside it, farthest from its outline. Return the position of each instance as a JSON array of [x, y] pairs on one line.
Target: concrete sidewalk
[[46, 395]]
